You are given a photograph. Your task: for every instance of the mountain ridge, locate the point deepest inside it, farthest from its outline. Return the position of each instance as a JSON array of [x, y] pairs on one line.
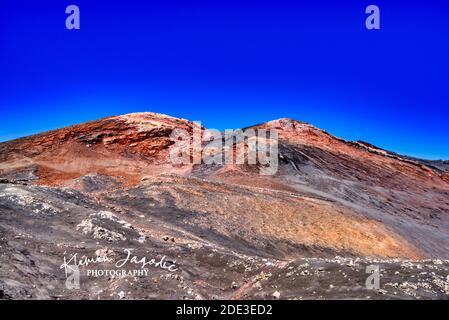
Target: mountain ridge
[[109, 185]]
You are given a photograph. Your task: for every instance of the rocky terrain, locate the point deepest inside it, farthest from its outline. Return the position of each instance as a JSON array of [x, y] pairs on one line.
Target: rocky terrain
[[332, 209]]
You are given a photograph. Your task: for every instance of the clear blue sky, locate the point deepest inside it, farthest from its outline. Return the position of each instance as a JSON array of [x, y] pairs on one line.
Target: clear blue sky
[[232, 64]]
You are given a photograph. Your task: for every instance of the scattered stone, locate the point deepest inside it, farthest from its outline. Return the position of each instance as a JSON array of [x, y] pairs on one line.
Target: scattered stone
[[168, 238], [121, 295]]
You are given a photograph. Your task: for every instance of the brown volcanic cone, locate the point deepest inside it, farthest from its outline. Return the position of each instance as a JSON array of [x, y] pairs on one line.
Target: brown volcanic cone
[[407, 196], [124, 147], [329, 195]]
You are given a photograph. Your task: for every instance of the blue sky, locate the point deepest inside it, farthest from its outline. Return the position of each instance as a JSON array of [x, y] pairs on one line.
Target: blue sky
[[232, 64]]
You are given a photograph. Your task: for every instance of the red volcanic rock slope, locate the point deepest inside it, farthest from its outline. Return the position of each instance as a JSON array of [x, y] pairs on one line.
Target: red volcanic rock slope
[[328, 195], [124, 147]]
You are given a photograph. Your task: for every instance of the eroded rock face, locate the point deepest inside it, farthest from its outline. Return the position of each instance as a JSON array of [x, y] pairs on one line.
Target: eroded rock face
[[100, 188], [445, 176]]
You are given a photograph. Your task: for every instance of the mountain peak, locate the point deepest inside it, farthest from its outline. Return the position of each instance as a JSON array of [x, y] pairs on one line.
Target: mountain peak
[[288, 123], [145, 120]]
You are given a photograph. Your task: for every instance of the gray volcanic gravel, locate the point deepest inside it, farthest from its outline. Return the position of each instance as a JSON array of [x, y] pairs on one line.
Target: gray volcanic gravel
[[41, 225]]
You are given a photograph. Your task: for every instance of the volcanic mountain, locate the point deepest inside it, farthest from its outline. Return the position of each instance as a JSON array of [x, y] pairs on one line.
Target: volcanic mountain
[[102, 186]]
